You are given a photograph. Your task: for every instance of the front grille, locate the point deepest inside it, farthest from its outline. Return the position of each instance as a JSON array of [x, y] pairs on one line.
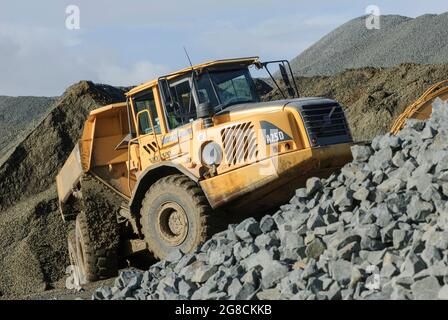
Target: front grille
[[325, 124], [240, 143]]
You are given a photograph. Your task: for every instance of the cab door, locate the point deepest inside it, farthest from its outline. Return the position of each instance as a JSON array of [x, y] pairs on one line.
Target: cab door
[[149, 126], [180, 113]]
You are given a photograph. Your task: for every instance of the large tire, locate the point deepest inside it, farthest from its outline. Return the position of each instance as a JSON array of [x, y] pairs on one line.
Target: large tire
[[76, 279], [71, 244], [175, 214], [96, 257]]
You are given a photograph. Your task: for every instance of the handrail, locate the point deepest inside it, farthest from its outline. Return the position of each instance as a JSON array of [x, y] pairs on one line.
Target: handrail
[[129, 163], [138, 133]]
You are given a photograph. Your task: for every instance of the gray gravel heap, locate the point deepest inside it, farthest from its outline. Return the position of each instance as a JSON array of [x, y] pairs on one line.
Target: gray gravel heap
[[399, 40], [376, 230]]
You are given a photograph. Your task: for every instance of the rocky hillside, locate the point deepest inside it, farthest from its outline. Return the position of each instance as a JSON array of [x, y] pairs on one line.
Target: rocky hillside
[[400, 39]]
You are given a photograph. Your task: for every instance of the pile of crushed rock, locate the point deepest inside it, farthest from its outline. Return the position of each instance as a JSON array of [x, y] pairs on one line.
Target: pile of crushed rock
[[376, 230], [352, 45]]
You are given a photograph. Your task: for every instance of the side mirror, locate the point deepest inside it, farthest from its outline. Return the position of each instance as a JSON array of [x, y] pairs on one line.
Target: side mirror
[[285, 78], [292, 91], [144, 124]]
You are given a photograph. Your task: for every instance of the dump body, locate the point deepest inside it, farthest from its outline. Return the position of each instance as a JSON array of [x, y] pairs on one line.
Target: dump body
[[96, 153]]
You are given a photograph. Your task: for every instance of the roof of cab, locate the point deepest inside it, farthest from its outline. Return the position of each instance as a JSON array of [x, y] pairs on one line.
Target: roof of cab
[[149, 84]]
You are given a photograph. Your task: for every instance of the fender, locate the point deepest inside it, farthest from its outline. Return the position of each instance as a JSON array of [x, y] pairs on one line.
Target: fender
[[151, 175]]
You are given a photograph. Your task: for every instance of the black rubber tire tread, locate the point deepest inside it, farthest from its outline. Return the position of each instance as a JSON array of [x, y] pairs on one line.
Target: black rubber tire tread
[[97, 262], [71, 245], [97, 230], [189, 192]]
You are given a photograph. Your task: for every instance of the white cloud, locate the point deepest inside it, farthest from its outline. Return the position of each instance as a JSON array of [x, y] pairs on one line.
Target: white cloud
[[125, 43], [279, 37], [325, 21], [43, 61], [138, 73]]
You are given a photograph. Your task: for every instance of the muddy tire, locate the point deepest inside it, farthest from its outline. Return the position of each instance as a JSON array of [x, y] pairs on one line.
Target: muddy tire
[[175, 214], [95, 257], [71, 245], [76, 279]]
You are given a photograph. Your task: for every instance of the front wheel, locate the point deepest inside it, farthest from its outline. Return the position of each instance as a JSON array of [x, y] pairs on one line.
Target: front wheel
[[175, 214]]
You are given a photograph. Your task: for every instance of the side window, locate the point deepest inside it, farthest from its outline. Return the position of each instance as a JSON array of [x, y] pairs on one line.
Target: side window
[[147, 102], [183, 108]]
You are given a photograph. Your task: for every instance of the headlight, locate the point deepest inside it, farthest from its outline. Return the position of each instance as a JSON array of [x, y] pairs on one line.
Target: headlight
[[211, 154]]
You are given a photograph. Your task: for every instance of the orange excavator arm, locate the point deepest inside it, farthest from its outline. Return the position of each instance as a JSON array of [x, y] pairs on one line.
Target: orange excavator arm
[[421, 109]]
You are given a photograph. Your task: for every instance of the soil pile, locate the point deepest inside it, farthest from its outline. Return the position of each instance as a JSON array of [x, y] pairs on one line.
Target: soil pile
[[373, 97], [32, 235], [18, 116]]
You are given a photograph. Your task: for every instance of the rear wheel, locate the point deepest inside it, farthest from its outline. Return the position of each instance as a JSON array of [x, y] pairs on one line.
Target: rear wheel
[[175, 214], [96, 257], [75, 280], [71, 244]]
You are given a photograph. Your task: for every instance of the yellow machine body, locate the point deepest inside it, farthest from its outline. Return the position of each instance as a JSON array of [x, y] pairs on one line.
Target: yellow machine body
[[268, 149]]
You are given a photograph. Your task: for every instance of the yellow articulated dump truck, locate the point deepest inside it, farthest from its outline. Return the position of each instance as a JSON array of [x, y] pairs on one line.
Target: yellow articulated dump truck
[[188, 152]]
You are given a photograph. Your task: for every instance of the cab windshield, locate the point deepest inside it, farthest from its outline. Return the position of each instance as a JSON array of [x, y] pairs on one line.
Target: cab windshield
[[224, 88], [221, 88]]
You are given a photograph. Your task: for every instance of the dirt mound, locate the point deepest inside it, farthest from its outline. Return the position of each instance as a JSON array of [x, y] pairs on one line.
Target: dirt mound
[[32, 235], [34, 163], [18, 116], [32, 245], [373, 97]]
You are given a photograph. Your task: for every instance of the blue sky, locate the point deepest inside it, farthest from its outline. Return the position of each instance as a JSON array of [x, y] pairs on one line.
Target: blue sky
[[129, 42]]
